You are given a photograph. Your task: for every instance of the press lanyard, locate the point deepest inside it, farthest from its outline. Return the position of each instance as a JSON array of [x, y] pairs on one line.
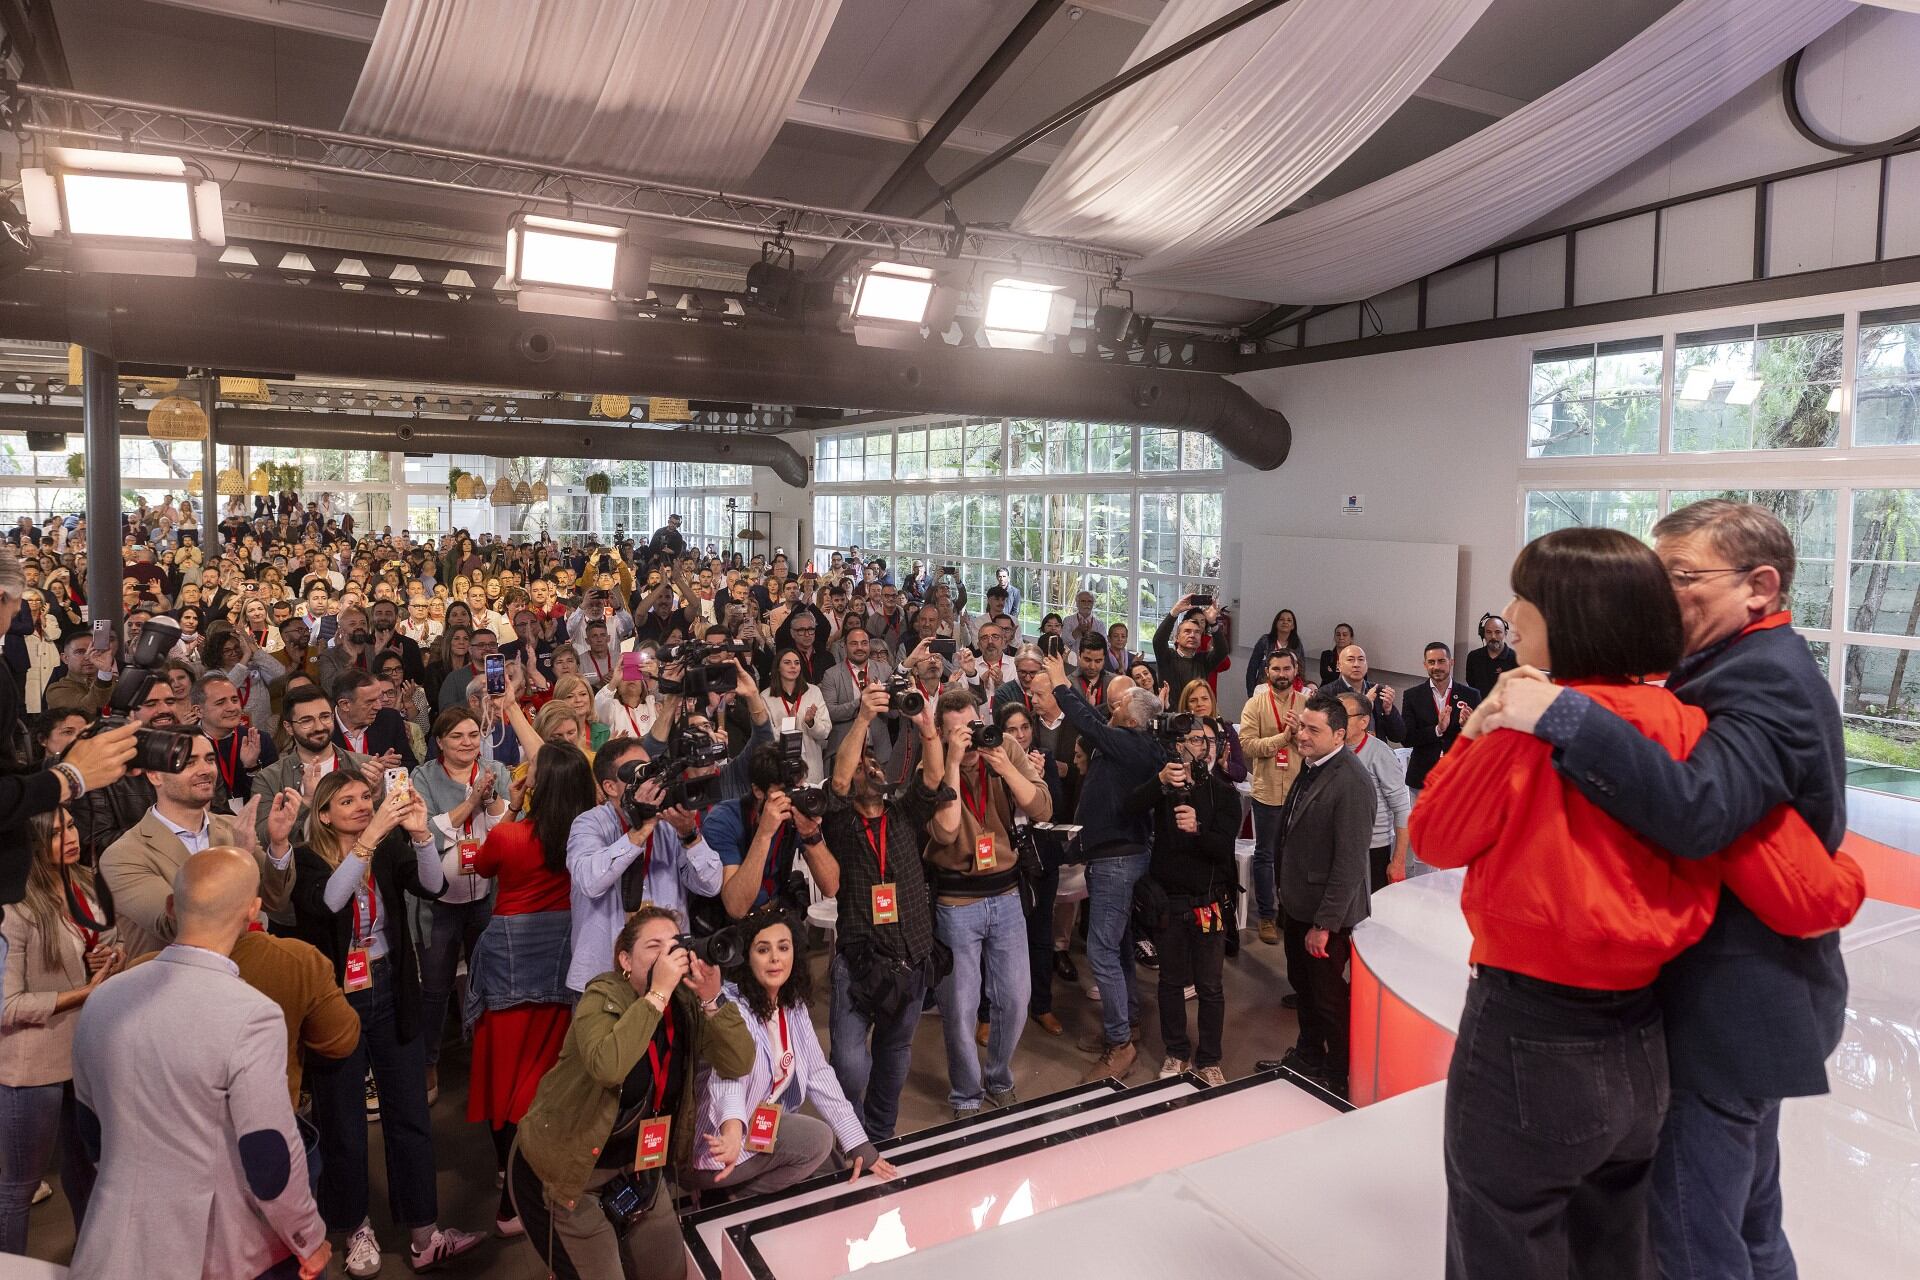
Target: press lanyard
[[1274, 702], [793, 707], [661, 1063], [466, 828], [230, 765], [783, 1069], [373, 913], [595, 659], [879, 848], [979, 810], [633, 721]]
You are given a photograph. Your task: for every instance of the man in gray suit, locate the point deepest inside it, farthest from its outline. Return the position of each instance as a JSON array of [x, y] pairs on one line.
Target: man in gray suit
[[1326, 827], [180, 1071], [861, 667]]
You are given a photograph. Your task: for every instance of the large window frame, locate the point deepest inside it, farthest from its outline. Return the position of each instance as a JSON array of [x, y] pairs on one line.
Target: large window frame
[[1047, 500], [1631, 490]]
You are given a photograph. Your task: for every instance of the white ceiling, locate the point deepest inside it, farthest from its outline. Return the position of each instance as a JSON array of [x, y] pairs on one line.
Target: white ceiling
[[887, 69]]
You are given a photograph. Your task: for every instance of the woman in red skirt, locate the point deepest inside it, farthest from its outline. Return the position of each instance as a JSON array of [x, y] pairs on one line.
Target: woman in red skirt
[[518, 1005]]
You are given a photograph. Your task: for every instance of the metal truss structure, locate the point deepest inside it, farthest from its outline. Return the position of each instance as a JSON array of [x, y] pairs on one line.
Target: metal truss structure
[[56, 116]]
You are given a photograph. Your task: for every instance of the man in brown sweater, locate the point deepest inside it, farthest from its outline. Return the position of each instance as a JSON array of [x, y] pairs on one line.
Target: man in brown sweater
[[294, 975]]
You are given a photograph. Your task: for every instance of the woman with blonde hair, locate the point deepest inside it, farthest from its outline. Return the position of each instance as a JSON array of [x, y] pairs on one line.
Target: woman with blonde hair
[[1198, 699], [573, 691], [349, 900]]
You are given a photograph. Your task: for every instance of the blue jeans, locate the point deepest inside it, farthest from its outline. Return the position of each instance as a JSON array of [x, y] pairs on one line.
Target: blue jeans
[[1266, 841], [1110, 884], [452, 928], [993, 930], [406, 1132], [1716, 1191], [870, 1059], [35, 1121]]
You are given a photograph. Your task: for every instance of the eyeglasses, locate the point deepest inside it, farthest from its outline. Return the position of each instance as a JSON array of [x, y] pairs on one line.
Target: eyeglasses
[[1688, 577]]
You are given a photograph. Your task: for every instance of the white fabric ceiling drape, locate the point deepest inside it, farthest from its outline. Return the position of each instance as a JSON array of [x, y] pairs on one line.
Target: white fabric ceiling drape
[[688, 91], [1516, 170], [1219, 142]]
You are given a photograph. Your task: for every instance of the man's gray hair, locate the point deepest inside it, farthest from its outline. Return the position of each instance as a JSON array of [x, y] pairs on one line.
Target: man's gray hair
[[13, 580], [1141, 704]]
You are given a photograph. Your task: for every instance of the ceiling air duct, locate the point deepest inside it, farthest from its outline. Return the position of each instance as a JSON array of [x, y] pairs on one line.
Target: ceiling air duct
[[241, 324]]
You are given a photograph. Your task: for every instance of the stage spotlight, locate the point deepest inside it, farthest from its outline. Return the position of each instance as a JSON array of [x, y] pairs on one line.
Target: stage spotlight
[[124, 211], [891, 301], [562, 267], [1113, 320], [1026, 315]]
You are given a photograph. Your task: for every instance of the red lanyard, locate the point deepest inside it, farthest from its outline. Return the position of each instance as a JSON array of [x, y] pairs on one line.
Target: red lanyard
[[373, 910], [348, 734], [466, 828], [879, 847], [793, 707], [91, 937], [1278, 721], [661, 1062], [595, 659], [1361, 743], [979, 811], [230, 766], [646, 856], [633, 721], [783, 1068]]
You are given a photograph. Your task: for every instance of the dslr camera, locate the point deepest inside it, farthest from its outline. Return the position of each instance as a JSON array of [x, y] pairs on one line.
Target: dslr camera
[[812, 801], [723, 948], [155, 749], [903, 696], [689, 747], [985, 734]]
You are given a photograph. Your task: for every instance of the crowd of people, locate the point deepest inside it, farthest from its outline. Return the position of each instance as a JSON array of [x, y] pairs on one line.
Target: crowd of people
[[612, 779]]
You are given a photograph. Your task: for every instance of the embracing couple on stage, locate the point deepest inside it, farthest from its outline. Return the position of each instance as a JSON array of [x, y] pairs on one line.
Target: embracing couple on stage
[[1654, 889]]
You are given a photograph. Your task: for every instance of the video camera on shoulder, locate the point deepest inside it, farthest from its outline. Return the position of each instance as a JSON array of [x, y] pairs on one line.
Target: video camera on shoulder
[[706, 668], [689, 747], [155, 749]]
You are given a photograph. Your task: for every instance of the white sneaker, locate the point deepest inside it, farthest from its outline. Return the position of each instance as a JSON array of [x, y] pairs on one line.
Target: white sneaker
[[1172, 1067], [1192, 993], [507, 1228], [446, 1245], [1093, 992], [363, 1251], [42, 1193]]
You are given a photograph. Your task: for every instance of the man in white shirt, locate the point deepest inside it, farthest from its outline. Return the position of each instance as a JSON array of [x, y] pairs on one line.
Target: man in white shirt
[[1082, 622]]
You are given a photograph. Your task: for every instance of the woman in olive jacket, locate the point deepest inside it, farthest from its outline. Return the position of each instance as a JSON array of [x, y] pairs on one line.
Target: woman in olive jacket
[[639, 1035]]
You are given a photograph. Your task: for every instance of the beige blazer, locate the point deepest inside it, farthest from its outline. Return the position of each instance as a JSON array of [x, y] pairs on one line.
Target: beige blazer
[[139, 867], [36, 1044]]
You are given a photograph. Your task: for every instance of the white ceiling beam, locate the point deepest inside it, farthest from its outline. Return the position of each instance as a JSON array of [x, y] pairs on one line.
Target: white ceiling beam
[[355, 20], [1466, 97], [868, 124]]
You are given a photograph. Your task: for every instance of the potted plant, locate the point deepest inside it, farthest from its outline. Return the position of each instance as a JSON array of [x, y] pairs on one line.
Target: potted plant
[[454, 476], [599, 483], [76, 466]]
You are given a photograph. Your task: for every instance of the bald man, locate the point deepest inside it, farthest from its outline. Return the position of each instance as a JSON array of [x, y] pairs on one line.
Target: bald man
[[180, 1071]]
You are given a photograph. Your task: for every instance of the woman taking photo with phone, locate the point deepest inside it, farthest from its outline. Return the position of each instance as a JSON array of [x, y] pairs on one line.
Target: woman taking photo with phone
[[751, 1136], [465, 797], [1558, 1084], [60, 948], [349, 900], [614, 1119]]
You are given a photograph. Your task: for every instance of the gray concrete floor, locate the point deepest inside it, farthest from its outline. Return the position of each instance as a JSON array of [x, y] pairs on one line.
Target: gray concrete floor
[[1257, 1027]]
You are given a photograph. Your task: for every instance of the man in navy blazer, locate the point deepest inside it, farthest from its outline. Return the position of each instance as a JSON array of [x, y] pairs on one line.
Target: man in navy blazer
[[361, 724], [1750, 1015], [1434, 713]]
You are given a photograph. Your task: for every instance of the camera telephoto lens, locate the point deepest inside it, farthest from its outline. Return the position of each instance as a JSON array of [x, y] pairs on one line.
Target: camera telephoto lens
[[985, 736]]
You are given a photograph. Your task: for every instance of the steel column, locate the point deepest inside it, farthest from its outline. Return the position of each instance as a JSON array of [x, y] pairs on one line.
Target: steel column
[[210, 468], [101, 400]]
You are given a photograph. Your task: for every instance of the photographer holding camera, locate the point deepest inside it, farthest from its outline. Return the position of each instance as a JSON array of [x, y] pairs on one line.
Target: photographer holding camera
[[683, 678], [143, 696], [1188, 890], [759, 835], [885, 959], [605, 844], [978, 913], [615, 1115]]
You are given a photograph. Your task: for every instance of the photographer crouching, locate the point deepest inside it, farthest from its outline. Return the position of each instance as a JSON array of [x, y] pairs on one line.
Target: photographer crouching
[[1188, 889]]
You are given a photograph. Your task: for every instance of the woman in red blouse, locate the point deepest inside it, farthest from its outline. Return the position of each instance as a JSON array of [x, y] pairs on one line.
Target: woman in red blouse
[[518, 1006]]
